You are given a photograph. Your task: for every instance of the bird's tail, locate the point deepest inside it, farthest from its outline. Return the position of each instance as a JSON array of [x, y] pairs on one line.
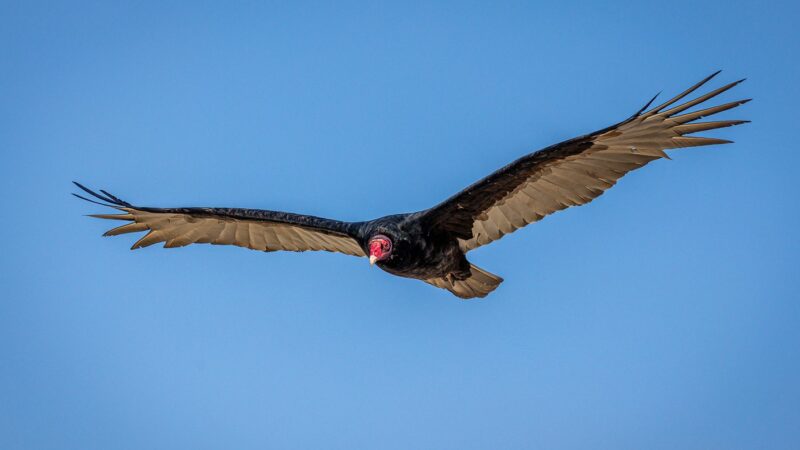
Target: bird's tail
[[479, 284]]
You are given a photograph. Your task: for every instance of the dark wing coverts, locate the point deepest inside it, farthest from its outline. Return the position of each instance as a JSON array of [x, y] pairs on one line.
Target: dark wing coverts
[[574, 172], [251, 228]]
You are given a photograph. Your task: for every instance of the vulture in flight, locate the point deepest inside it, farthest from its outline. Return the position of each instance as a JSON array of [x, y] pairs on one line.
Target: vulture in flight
[[432, 245]]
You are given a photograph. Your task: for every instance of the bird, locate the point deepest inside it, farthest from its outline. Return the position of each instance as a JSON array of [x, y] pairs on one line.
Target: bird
[[432, 245]]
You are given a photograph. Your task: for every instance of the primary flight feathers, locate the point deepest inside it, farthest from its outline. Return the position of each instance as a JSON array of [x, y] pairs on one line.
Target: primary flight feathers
[[252, 228], [576, 171], [430, 245]]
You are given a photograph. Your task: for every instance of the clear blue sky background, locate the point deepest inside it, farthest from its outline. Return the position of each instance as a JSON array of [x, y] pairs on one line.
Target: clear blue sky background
[[664, 315]]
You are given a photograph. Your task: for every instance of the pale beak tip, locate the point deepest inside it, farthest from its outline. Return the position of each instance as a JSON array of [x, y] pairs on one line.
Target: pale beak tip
[[372, 259]]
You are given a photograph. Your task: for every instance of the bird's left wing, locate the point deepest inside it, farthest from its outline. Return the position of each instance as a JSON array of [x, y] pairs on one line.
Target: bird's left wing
[[573, 172], [251, 228]]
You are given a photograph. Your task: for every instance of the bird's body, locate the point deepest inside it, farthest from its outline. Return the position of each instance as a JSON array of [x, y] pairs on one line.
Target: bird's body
[[420, 253], [432, 245]]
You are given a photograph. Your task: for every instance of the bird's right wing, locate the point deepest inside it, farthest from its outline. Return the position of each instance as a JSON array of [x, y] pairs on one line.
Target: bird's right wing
[[573, 172], [251, 228]]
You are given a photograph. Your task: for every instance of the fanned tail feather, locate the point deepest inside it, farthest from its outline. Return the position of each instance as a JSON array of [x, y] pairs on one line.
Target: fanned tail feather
[[479, 284]]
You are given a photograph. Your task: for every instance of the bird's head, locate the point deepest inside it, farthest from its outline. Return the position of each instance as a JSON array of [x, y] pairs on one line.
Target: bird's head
[[380, 248]]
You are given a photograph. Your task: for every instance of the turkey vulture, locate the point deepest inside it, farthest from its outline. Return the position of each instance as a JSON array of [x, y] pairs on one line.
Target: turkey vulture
[[431, 245]]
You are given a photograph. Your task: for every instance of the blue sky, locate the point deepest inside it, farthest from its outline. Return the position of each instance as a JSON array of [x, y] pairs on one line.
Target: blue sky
[[663, 315]]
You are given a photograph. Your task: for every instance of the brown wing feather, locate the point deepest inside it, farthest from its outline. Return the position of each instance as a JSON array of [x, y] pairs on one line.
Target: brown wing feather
[[179, 230], [254, 229], [574, 172]]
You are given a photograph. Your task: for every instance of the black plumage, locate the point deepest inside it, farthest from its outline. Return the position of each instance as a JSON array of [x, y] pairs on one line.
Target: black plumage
[[431, 245]]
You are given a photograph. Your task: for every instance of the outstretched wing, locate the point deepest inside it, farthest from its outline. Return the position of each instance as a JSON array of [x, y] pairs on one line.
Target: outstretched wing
[[251, 228], [574, 172]]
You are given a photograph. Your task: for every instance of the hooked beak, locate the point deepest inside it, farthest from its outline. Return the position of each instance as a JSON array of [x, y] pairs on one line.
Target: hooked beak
[[372, 259]]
